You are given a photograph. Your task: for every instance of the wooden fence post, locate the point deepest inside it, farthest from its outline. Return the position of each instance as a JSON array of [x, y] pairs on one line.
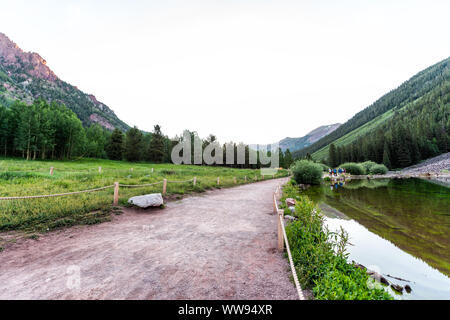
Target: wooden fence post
[[195, 181], [51, 171], [116, 193], [152, 170], [234, 180], [164, 186], [280, 230], [218, 180], [245, 178], [275, 207], [99, 169]]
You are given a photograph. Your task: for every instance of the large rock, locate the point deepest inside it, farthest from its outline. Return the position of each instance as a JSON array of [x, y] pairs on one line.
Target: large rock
[[147, 200], [290, 202]]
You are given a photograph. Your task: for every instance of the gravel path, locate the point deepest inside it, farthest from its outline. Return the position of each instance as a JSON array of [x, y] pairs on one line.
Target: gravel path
[[218, 245]]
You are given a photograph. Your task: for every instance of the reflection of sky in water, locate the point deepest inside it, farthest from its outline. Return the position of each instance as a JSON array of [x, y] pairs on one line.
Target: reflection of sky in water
[[374, 252]]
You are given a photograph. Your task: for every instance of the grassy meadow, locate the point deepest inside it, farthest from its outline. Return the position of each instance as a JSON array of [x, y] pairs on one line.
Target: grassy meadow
[[23, 178]]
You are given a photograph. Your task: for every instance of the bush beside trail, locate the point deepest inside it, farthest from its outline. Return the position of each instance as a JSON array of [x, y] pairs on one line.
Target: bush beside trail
[[378, 169], [353, 168], [368, 167], [307, 172]]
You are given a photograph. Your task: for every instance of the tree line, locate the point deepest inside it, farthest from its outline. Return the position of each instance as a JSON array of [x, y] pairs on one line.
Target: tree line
[[248, 161], [46, 130], [414, 89], [419, 131]]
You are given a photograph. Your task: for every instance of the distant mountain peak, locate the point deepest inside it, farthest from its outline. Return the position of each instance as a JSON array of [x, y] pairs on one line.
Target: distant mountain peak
[[294, 144], [25, 76]]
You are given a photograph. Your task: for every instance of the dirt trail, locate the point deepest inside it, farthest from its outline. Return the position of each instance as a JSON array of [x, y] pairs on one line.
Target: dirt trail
[[218, 245]]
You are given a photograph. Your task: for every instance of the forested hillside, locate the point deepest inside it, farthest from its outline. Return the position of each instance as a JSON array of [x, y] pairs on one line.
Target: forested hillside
[[416, 132], [45, 130], [25, 76], [429, 85]]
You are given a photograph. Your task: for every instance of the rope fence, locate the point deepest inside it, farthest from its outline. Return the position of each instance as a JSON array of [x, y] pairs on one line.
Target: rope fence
[[116, 187], [140, 185], [181, 181], [282, 236], [56, 194]]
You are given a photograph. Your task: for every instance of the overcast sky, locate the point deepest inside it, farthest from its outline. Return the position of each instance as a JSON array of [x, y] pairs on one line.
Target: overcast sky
[[245, 70]]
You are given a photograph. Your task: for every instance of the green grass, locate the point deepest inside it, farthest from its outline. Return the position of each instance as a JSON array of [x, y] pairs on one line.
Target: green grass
[[22, 178], [320, 256]]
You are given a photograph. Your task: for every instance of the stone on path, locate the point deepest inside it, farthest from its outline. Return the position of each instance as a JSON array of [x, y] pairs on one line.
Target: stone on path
[[147, 200]]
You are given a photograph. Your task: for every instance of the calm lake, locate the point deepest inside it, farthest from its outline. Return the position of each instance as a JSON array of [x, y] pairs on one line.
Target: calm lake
[[398, 227]]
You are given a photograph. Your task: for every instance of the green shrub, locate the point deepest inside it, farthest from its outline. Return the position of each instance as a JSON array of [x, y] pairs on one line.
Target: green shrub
[[368, 166], [320, 256], [353, 168], [378, 169], [307, 172], [324, 167], [347, 283]]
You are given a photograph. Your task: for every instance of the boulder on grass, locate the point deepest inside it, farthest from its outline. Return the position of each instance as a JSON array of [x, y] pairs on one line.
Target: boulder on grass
[[147, 200]]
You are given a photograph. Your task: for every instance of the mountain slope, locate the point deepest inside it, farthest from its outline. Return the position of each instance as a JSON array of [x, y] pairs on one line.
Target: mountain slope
[[376, 114], [26, 76], [294, 144]]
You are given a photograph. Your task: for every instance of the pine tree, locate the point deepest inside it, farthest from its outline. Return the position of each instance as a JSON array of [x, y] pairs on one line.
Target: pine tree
[[442, 140], [156, 148], [308, 156], [402, 147], [133, 144], [115, 146], [281, 158], [4, 120], [332, 156], [288, 160], [386, 159]]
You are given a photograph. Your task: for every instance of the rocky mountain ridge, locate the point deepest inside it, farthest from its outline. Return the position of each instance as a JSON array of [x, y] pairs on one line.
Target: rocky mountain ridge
[[25, 76]]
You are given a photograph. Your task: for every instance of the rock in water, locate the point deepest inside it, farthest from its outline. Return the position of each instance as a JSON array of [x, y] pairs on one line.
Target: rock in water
[[147, 200], [397, 288]]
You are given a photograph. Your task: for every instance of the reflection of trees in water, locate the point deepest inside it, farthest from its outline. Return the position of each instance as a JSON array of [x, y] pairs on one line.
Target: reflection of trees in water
[[365, 183], [411, 213]]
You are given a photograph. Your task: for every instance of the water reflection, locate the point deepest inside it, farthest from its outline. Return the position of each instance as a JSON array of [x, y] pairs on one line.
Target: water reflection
[[400, 226]]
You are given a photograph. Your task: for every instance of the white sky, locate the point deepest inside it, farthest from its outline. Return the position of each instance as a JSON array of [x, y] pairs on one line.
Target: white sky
[[245, 70]]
